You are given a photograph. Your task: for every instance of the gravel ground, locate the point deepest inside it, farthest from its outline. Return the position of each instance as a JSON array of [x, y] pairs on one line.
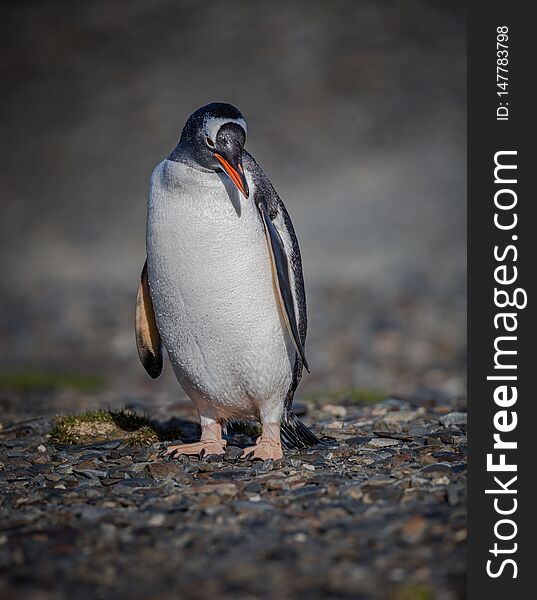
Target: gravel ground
[[377, 512]]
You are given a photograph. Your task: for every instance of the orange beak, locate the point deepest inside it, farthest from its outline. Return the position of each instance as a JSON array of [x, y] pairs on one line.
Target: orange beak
[[237, 177]]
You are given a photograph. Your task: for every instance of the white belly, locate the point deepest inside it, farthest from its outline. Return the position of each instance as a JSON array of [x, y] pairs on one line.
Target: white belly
[[211, 284]]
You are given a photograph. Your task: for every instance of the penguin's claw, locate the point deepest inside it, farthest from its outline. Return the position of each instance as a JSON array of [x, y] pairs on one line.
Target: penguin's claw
[[263, 450], [200, 449]]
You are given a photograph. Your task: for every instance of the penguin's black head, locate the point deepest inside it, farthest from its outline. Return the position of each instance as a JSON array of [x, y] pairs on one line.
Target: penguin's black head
[[215, 135]]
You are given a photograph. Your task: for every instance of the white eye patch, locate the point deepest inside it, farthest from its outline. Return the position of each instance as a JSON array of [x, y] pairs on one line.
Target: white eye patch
[[213, 124]]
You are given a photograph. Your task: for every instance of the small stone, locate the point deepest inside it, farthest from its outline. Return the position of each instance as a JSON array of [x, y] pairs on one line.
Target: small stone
[[253, 486], [104, 445], [85, 464], [382, 442], [335, 410], [444, 456], [214, 458], [263, 466], [453, 419], [183, 478], [135, 482], [163, 470], [401, 416], [354, 492], [418, 482], [41, 448], [335, 425], [233, 453], [220, 489], [91, 473], [442, 468], [362, 424], [357, 440], [414, 529], [157, 520]]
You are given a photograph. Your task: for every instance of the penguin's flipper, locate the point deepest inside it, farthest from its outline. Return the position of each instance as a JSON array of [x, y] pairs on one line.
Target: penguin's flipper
[[147, 335], [280, 272]]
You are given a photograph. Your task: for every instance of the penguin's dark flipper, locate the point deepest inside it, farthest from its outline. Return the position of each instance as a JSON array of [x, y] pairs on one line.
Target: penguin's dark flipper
[[280, 269], [147, 335]]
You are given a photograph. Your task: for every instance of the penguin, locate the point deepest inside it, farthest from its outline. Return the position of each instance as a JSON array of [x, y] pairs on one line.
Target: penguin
[[222, 288]]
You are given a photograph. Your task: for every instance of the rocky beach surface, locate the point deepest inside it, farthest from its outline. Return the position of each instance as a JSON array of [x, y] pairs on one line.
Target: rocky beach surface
[[378, 511]]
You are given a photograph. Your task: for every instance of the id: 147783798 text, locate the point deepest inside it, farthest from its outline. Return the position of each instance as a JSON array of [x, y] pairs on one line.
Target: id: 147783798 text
[[502, 72]]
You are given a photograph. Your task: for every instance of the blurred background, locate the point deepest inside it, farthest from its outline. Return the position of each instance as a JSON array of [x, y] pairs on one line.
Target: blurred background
[[356, 111]]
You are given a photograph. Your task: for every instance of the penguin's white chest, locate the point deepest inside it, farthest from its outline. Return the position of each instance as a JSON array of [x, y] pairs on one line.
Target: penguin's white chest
[[213, 294]]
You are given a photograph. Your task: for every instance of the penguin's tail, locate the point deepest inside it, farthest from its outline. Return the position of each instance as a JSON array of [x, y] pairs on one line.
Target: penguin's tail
[[295, 434]]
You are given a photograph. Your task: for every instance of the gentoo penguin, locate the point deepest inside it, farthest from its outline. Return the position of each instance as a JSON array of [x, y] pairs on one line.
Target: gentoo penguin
[[222, 287]]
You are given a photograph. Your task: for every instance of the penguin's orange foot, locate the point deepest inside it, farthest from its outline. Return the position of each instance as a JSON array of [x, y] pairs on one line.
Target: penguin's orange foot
[[264, 449], [200, 449]]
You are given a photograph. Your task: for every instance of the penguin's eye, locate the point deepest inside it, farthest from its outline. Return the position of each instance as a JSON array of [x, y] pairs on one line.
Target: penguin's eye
[[210, 143]]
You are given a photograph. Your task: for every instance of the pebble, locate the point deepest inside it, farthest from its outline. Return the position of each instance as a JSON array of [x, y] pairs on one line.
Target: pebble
[[401, 416], [157, 520], [453, 419], [413, 531], [163, 470], [436, 468], [382, 442], [232, 454], [335, 410]]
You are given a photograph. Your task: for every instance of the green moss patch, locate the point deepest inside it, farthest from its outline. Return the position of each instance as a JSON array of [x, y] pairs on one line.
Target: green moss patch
[[415, 592], [104, 425], [49, 381], [347, 396]]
